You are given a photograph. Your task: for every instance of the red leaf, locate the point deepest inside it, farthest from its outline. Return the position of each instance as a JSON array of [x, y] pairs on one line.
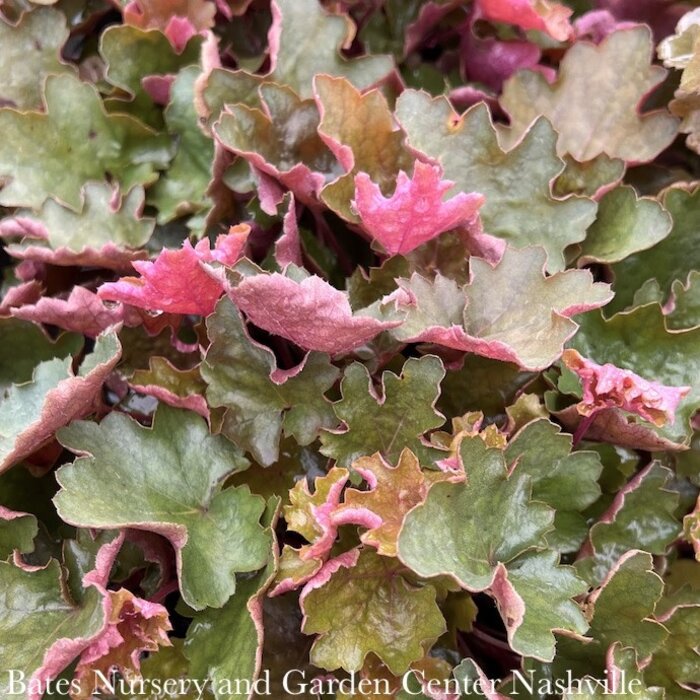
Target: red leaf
[[544, 15]]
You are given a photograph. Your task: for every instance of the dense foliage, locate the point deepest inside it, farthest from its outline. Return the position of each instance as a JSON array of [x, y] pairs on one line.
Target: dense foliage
[[355, 340]]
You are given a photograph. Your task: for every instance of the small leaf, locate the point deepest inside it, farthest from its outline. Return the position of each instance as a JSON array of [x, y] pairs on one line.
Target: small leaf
[[293, 23], [261, 400], [106, 232], [641, 516], [626, 224], [180, 281], [30, 413], [310, 312], [366, 606], [389, 421], [415, 212], [369, 141], [550, 17]]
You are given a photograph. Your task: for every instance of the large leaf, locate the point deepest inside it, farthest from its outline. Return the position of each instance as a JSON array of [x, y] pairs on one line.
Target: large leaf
[[594, 104], [261, 400], [172, 473], [466, 530], [520, 206], [528, 329], [365, 605], [54, 154], [106, 231], [30, 413], [389, 420]]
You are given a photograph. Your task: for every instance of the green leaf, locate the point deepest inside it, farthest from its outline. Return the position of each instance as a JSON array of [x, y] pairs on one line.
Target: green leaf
[[465, 530], [623, 680], [30, 413], [36, 620], [17, 532], [172, 473], [23, 345], [670, 259], [520, 206], [534, 598], [307, 43], [387, 420], [642, 516], [182, 189], [167, 663], [261, 401], [619, 611], [675, 666], [99, 222], [361, 132], [54, 154], [565, 480], [226, 644], [369, 607], [31, 50], [131, 54], [638, 340], [594, 104], [484, 316], [686, 306], [626, 224]]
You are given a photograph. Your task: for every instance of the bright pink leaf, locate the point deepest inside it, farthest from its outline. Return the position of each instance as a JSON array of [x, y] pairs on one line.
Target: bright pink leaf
[[288, 246], [180, 281], [416, 212], [310, 313], [608, 386], [544, 15]]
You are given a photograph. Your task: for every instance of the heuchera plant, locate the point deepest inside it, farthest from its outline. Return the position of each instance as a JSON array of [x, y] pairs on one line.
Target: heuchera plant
[[349, 349]]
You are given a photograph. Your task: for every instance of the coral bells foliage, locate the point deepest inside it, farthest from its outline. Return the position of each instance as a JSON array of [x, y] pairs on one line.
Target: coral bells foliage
[[357, 340]]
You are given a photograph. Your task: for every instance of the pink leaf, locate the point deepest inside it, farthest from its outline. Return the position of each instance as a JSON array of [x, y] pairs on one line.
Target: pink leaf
[[608, 386], [416, 212], [288, 247], [310, 313], [24, 293], [83, 312], [134, 626], [543, 15], [180, 281]]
